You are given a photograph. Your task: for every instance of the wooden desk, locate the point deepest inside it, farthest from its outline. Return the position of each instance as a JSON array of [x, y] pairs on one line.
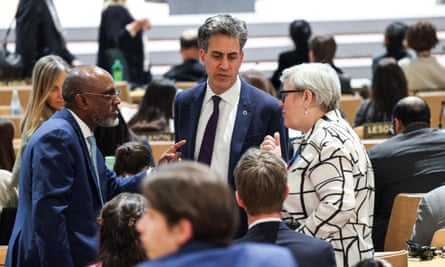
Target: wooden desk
[[24, 94], [136, 95], [435, 262], [3, 250], [368, 143]]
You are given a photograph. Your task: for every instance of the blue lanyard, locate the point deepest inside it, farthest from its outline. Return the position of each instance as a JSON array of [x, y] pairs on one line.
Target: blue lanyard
[[294, 157]]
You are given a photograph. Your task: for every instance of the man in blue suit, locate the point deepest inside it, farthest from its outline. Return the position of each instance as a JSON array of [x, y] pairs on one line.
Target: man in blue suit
[[261, 182], [246, 114], [62, 187], [196, 226]]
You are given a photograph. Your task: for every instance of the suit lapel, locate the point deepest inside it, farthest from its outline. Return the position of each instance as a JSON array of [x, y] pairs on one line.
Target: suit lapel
[[65, 114], [193, 112], [244, 116]]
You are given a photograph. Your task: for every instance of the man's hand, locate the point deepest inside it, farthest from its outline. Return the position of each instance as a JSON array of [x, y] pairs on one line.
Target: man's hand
[[172, 153]]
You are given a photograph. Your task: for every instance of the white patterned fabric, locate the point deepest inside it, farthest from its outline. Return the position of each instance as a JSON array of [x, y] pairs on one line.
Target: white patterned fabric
[[331, 189]]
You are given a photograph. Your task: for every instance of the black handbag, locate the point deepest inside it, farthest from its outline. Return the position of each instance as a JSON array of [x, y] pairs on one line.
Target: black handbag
[[11, 65]]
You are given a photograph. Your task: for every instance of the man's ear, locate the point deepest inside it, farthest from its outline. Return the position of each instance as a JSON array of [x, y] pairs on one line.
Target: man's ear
[[286, 194], [239, 200], [184, 231], [398, 126], [81, 102]]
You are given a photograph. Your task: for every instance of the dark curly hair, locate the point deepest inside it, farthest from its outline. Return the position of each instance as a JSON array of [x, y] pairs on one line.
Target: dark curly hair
[[119, 241]]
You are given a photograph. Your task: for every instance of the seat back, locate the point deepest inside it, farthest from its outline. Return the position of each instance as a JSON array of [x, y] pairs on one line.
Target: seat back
[[396, 258], [434, 100], [438, 238], [401, 221], [349, 105], [3, 250]]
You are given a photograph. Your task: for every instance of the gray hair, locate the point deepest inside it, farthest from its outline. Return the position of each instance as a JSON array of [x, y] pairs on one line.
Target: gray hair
[[319, 78], [222, 24]]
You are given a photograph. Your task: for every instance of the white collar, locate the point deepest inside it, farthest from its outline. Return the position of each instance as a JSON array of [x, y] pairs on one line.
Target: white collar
[[263, 221], [86, 131], [230, 96]]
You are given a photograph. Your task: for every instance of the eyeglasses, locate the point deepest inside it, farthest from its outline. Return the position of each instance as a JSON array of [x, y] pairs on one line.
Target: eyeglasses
[[111, 95], [283, 93]]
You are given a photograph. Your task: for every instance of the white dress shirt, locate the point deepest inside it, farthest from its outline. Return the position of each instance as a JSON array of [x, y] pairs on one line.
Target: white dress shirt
[[224, 130]]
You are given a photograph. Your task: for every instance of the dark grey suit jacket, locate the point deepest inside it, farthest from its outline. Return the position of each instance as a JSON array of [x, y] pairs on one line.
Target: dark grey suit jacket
[[410, 162]]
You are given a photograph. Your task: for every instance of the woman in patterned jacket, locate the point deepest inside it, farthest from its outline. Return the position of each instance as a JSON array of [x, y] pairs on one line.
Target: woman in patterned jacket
[[330, 178]]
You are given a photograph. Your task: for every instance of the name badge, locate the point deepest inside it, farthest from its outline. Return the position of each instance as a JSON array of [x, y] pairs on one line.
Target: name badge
[[377, 130]]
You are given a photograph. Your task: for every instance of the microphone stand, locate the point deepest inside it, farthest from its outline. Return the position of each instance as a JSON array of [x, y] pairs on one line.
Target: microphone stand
[[441, 113]]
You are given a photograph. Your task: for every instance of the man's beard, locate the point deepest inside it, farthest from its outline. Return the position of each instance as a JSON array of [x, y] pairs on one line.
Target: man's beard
[[108, 122]]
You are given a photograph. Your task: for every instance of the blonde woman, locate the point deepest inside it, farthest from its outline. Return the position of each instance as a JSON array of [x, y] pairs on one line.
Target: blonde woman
[[46, 98]]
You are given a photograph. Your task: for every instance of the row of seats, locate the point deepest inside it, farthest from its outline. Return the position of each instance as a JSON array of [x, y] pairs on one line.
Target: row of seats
[[400, 227]]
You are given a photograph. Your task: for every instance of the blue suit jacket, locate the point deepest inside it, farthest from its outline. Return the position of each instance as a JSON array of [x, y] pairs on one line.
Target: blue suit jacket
[[308, 251], [197, 254], [59, 198], [258, 115]]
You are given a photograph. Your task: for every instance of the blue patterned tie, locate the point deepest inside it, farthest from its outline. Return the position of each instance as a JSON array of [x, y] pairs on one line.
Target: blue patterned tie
[[205, 153], [93, 155]]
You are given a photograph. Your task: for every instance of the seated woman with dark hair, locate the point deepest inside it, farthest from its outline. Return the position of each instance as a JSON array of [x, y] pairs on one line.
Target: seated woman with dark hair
[[156, 108], [389, 85], [7, 154]]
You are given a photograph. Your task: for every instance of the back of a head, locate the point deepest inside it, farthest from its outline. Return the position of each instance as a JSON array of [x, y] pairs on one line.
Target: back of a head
[[119, 240], [323, 48], [261, 179], [422, 36], [223, 24], [300, 31], [132, 158], [395, 35], [189, 39], [259, 80], [205, 200], [7, 153], [373, 263], [412, 109], [160, 93], [389, 85], [320, 78]]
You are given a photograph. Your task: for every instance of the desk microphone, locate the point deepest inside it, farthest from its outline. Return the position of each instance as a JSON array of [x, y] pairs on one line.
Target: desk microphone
[[441, 113]]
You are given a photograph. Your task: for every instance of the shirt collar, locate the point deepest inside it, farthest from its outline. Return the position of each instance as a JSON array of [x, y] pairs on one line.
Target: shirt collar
[[230, 96], [263, 221], [86, 131]]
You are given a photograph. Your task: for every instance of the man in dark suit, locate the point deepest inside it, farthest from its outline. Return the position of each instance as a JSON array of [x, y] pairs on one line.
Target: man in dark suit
[[199, 230], [394, 43], [261, 182], [190, 70], [410, 162], [246, 114], [62, 184], [39, 33]]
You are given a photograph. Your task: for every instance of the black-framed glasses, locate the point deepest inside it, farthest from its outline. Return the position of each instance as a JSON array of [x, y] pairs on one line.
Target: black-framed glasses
[[283, 93], [110, 95]]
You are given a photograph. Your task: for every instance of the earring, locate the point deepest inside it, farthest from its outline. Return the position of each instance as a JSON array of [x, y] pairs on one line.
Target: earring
[[305, 112]]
